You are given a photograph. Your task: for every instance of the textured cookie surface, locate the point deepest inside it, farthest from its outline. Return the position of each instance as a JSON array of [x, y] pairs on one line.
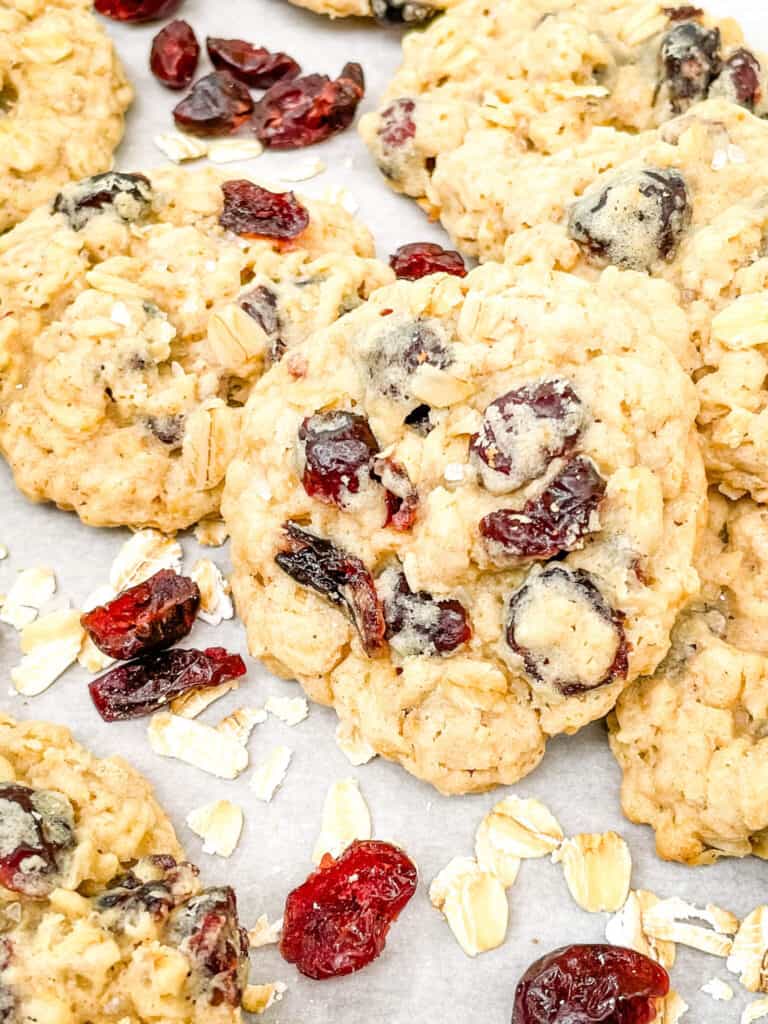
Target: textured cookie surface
[[465, 514], [132, 326], [410, 12], [63, 95], [691, 739]]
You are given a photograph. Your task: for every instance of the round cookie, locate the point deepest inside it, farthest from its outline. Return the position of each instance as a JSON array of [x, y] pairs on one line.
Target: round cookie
[[63, 94], [490, 94], [101, 919], [464, 515], [132, 327], [691, 739], [409, 12]]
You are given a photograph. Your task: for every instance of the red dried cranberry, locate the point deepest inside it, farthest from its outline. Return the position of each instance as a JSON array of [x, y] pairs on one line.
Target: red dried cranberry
[[410, 262], [254, 212], [690, 58], [174, 55], [402, 499], [596, 984], [217, 105], [253, 65], [684, 13], [398, 351], [555, 521], [37, 830], [740, 79], [396, 123], [418, 623], [143, 686], [339, 577], [409, 12], [149, 617], [337, 921], [336, 450], [137, 10], [523, 431], [308, 109]]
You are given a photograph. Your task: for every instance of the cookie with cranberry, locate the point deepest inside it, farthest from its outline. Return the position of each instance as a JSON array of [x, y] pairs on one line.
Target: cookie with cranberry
[[464, 515], [397, 12], [480, 121], [136, 311], [63, 94]]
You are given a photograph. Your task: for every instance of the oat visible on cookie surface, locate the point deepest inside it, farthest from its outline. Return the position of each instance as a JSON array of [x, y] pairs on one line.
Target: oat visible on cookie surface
[[409, 12], [63, 95], [465, 514], [491, 99], [132, 327], [691, 739]]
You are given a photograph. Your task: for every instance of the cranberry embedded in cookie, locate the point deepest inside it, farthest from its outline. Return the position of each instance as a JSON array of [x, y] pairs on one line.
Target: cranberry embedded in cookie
[[418, 623], [690, 57], [127, 196], [399, 348], [36, 837], [336, 450]]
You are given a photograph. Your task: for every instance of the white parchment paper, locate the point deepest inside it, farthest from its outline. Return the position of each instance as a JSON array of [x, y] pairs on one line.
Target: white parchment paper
[[423, 977]]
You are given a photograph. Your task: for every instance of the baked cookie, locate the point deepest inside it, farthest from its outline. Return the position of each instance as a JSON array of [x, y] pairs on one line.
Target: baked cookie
[[409, 12], [464, 515], [490, 94], [132, 327], [691, 739], [63, 94], [100, 920]]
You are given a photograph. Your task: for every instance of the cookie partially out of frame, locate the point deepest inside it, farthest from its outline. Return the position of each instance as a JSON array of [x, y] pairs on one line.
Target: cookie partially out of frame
[[408, 12]]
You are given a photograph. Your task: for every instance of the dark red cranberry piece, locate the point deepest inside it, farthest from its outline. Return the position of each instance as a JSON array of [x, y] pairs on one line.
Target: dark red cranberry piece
[[217, 105], [419, 420], [634, 219], [260, 303], [524, 430], [403, 11], [418, 623], [206, 928], [337, 921], [410, 262], [309, 109], [740, 79], [127, 196], [396, 123], [339, 577], [684, 13], [168, 429], [37, 830], [570, 601], [401, 497], [174, 55], [149, 617], [690, 60], [254, 212], [400, 349], [595, 984], [143, 686], [555, 521], [336, 451], [137, 10], [253, 65]]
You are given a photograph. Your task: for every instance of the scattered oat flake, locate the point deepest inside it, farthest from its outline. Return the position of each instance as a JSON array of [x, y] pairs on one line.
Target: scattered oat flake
[[215, 602], [265, 933], [3, 552], [473, 902], [269, 775], [341, 197], [211, 533], [142, 556], [290, 710], [241, 723], [50, 646], [208, 749], [180, 147], [345, 818], [91, 658], [597, 868], [351, 743], [750, 951], [219, 825], [625, 928], [667, 920], [718, 989], [258, 998], [755, 1010], [304, 170], [671, 1008], [514, 829], [30, 591], [194, 702], [231, 150]]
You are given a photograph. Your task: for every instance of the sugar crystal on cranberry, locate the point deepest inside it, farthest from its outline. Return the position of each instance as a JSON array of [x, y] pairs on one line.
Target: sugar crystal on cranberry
[[419, 624], [126, 196]]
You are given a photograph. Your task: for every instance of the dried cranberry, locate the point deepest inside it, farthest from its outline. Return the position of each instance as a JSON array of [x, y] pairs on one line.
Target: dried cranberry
[[308, 109], [595, 984], [555, 521], [37, 830], [418, 623], [740, 80], [634, 219], [207, 930], [419, 420], [142, 686], [690, 59], [398, 351], [565, 631], [254, 212], [154, 886], [167, 429], [684, 13], [524, 430], [339, 577], [410, 262], [253, 65], [402, 499], [149, 617], [217, 105], [137, 10], [260, 303], [396, 123], [337, 921], [127, 196], [174, 55], [336, 449], [409, 12]]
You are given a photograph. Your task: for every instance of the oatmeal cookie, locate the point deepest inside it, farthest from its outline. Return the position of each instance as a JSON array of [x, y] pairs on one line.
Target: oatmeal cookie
[[691, 739], [479, 123], [464, 515], [63, 94], [408, 12], [132, 327], [100, 919]]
